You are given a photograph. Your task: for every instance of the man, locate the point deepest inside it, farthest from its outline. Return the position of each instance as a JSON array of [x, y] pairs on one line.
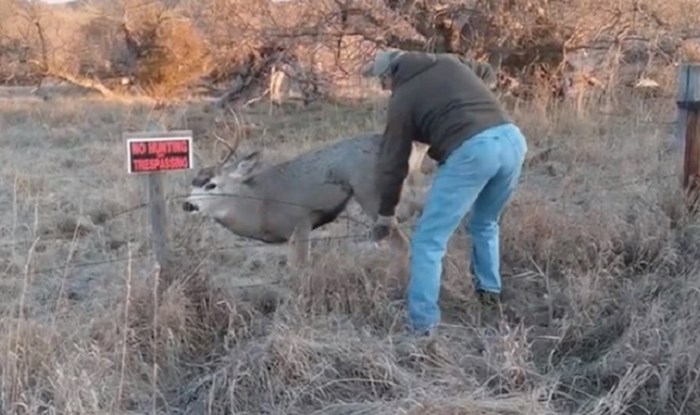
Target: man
[[439, 99]]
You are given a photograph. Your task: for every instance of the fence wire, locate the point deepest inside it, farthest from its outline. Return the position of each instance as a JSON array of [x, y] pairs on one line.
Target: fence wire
[[243, 246], [144, 205]]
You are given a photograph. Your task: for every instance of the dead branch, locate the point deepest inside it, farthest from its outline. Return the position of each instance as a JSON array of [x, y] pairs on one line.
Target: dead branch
[[49, 68], [82, 82]]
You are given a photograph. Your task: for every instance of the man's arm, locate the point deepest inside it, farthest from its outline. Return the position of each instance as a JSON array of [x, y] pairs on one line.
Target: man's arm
[[393, 156]]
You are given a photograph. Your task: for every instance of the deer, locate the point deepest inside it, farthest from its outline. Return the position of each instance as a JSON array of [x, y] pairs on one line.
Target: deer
[[285, 202]]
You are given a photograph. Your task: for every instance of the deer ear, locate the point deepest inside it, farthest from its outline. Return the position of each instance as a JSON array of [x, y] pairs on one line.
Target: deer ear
[[245, 166]]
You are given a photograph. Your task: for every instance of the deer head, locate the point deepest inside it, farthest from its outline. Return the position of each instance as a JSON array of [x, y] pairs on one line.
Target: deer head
[[213, 184]]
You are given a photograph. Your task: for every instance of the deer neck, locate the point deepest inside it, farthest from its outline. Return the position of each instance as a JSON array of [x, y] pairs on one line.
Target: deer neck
[[241, 212]]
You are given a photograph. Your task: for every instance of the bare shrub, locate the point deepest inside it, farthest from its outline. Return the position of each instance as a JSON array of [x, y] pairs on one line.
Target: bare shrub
[[172, 55], [105, 56], [542, 49]]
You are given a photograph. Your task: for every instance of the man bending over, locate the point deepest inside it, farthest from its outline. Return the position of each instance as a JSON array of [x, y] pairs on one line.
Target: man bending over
[[440, 100]]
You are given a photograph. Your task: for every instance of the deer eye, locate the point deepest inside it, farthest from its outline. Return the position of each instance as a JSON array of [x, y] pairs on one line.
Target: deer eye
[[210, 186]]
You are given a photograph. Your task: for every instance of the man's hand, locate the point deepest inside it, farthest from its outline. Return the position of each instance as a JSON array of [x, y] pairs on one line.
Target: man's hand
[[383, 227]]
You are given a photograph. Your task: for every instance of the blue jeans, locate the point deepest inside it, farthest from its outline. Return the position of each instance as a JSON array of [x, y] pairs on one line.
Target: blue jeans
[[482, 173]]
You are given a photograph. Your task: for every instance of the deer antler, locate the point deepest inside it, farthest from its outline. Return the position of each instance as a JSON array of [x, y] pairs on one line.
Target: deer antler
[[239, 126], [232, 148], [235, 133]]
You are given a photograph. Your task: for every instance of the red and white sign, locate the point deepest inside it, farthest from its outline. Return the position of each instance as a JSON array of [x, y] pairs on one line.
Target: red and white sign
[[152, 152]]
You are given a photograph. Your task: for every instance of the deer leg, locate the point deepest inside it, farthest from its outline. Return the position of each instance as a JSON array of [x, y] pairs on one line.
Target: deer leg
[[368, 201], [398, 249], [397, 243], [300, 243]]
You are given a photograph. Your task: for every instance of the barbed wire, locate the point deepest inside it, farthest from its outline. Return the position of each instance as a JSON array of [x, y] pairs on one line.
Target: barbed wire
[[348, 236], [89, 264], [140, 206], [206, 250]]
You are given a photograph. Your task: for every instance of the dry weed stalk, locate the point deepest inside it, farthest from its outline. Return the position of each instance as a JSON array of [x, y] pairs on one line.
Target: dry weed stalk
[[125, 329]]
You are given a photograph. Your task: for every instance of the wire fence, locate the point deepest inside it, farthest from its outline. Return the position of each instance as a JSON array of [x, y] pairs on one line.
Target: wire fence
[[172, 198], [240, 246], [348, 236]]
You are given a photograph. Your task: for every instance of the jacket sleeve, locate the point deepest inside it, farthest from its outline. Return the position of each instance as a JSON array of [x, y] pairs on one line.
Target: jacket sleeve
[[393, 156]]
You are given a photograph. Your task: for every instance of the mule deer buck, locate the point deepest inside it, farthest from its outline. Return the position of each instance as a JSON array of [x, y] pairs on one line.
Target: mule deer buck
[[285, 202]]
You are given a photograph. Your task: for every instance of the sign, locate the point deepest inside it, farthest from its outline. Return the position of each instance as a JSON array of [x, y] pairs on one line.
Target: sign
[[152, 152]]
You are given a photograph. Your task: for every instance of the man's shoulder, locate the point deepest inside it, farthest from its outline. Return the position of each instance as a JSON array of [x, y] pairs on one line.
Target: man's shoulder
[[483, 70]]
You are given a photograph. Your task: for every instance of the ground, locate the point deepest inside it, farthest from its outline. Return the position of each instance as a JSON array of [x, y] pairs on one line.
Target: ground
[[599, 266]]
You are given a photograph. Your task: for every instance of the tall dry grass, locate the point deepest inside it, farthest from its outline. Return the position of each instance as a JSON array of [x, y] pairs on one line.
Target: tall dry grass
[[599, 262]]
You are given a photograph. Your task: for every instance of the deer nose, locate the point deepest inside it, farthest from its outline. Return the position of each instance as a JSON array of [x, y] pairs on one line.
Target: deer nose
[[200, 181], [189, 207]]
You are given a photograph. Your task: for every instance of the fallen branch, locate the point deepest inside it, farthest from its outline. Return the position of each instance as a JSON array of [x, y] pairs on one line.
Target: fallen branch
[[84, 83], [48, 69]]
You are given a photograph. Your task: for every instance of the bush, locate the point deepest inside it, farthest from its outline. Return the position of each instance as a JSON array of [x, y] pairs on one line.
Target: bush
[[172, 56]]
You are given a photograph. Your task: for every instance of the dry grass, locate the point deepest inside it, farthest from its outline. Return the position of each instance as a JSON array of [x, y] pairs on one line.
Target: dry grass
[[600, 268]]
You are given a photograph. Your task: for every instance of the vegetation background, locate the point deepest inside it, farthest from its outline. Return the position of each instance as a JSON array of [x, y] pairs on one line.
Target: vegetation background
[[600, 259]]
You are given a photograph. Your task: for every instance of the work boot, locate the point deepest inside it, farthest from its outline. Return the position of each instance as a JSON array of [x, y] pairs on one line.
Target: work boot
[[488, 299], [408, 329], [490, 311]]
